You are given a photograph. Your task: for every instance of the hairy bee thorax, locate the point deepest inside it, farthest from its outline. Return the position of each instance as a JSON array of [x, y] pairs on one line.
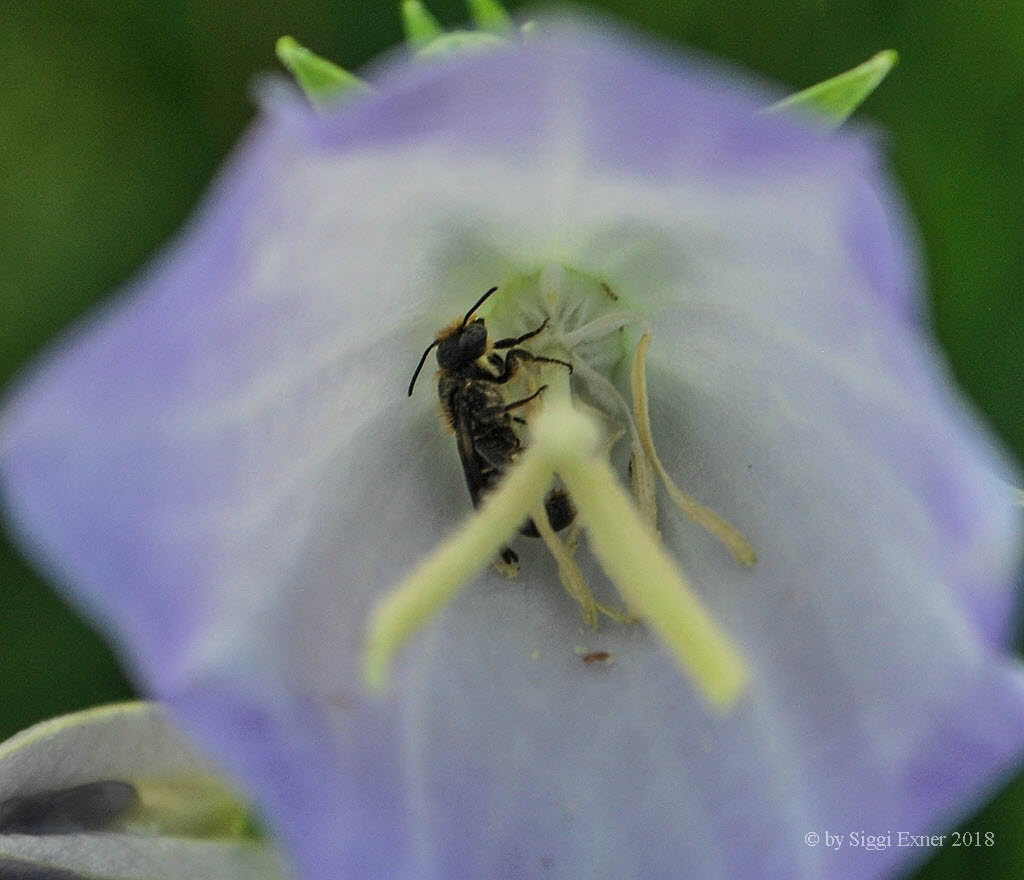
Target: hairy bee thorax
[[570, 417]]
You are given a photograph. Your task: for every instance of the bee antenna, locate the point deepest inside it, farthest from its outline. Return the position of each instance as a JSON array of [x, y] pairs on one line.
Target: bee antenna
[[423, 360], [477, 305]]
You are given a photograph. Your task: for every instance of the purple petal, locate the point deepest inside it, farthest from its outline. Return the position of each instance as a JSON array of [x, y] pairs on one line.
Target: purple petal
[[226, 471]]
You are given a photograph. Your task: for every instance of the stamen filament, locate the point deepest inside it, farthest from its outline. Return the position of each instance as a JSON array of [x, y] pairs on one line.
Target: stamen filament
[[697, 512], [568, 571], [641, 475], [570, 574], [648, 579], [566, 442]]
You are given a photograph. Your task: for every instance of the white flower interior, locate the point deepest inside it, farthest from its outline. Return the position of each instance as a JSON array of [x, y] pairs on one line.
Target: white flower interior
[[585, 325]]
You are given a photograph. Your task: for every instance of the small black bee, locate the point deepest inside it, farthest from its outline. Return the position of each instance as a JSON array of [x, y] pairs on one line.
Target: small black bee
[[469, 387]]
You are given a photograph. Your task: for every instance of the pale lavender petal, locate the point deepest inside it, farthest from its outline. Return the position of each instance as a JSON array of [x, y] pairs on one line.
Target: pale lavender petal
[[227, 471]]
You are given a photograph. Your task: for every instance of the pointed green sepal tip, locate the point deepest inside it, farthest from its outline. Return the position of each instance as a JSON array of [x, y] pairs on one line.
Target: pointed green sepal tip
[[833, 101], [322, 81], [421, 28], [489, 15]]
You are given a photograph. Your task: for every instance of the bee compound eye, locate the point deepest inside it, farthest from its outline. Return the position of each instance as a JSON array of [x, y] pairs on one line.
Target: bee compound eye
[[449, 352], [473, 340]]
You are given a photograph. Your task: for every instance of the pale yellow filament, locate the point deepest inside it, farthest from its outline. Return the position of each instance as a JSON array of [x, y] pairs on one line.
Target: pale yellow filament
[[566, 442], [704, 517]]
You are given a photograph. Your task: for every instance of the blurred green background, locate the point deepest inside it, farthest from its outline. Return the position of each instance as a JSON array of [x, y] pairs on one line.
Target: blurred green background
[[115, 115]]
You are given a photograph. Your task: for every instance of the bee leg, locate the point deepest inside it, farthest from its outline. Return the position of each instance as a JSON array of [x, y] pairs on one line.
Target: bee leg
[[491, 411], [513, 358], [518, 403], [538, 359], [507, 562], [512, 341]]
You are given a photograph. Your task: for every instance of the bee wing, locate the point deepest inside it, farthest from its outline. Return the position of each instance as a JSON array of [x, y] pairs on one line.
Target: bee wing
[[472, 466]]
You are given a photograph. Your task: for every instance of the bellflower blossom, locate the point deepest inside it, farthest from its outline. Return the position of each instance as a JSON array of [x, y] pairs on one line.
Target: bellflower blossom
[[226, 470], [114, 792]]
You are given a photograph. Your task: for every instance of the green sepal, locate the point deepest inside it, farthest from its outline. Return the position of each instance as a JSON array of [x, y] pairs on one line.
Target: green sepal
[[461, 43], [833, 101], [421, 28], [322, 81], [490, 15]]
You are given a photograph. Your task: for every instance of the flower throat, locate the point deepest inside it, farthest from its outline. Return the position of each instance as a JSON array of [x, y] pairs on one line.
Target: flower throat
[[536, 427]]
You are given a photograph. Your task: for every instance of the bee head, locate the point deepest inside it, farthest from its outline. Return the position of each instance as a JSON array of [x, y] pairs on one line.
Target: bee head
[[463, 346], [460, 344]]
